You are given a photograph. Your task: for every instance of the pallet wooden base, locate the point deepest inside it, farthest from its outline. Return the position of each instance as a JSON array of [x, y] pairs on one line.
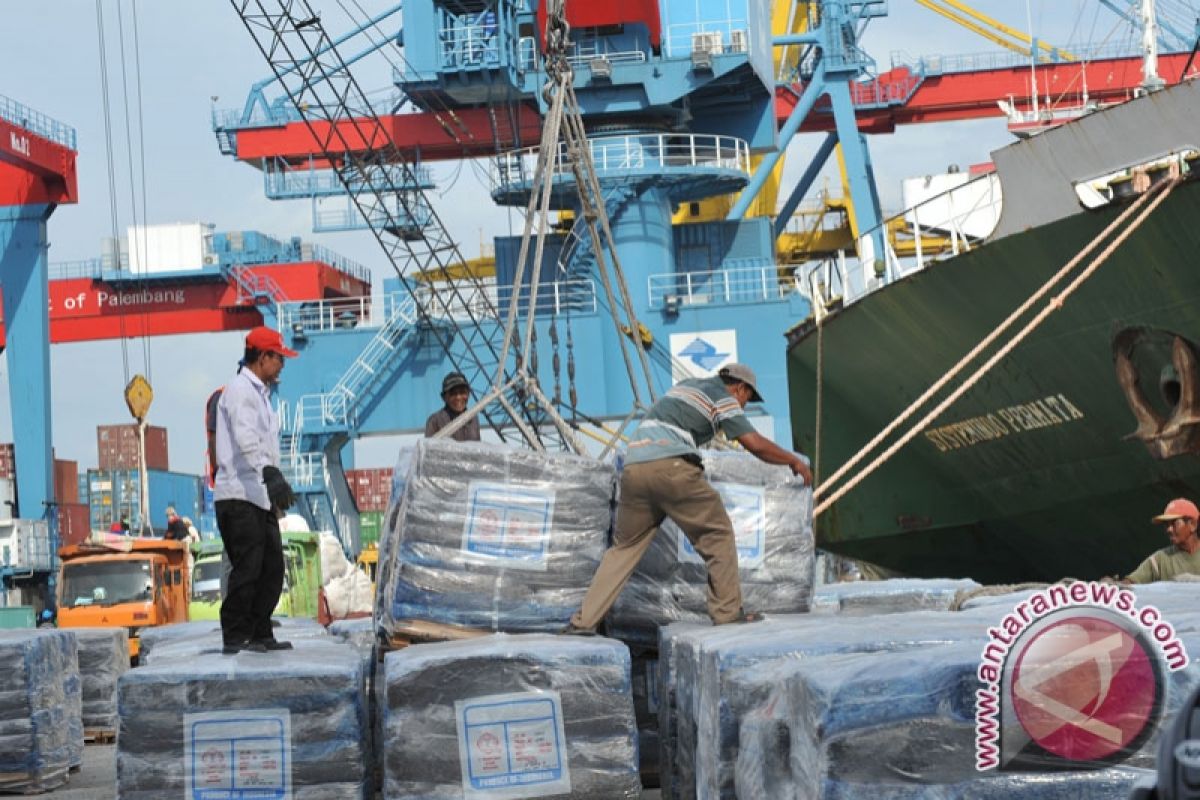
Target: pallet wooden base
[[416, 631], [99, 736]]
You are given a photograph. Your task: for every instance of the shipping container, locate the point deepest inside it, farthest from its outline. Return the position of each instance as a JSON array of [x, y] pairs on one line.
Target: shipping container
[[370, 523], [74, 523], [117, 447], [116, 493], [66, 481], [25, 545], [371, 488]]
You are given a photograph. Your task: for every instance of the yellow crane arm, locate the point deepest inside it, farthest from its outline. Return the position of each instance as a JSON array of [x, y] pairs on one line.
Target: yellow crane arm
[[991, 29]]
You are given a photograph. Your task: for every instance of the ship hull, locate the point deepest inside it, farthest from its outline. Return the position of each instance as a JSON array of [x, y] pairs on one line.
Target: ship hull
[[1033, 474]]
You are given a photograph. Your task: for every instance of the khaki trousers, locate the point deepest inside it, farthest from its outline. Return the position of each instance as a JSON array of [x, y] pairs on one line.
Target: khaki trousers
[[651, 492]]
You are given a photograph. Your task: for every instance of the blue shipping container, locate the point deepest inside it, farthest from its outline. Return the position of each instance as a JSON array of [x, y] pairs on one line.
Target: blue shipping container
[[113, 493]]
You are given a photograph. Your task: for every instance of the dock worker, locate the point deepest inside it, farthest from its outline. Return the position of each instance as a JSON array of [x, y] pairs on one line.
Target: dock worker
[[176, 527], [1182, 557], [251, 494], [455, 394], [664, 477]]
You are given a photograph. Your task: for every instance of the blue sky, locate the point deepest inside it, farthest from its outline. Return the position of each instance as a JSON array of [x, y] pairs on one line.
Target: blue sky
[[190, 53]]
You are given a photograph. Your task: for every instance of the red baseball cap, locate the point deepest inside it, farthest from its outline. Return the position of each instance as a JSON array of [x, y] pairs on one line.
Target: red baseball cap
[[268, 340], [1178, 508]]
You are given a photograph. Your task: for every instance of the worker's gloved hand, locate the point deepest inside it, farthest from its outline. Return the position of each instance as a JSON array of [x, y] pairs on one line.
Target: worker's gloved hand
[[278, 489]]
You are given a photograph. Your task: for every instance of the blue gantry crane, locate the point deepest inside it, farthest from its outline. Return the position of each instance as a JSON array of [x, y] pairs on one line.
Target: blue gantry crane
[[679, 101]]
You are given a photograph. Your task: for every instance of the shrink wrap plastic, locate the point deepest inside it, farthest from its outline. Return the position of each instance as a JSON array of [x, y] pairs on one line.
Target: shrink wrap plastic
[[297, 720], [500, 717], [495, 538], [890, 596], [187, 639], [103, 658], [41, 732], [771, 511]]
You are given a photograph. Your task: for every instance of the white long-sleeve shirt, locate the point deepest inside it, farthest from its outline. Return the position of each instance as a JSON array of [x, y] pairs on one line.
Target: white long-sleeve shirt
[[247, 440]]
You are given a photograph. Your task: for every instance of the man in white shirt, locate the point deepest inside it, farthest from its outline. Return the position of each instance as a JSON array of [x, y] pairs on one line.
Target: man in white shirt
[[250, 495]]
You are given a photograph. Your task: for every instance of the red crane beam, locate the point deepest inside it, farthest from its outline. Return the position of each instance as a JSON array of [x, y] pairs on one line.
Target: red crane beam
[[946, 97], [86, 309], [973, 95], [34, 169], [425, 136]]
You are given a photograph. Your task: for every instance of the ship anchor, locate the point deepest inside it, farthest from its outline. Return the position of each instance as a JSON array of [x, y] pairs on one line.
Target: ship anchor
[[1164, 436]]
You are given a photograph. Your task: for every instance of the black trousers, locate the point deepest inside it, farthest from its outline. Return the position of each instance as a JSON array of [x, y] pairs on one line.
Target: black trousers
[[252, 542]]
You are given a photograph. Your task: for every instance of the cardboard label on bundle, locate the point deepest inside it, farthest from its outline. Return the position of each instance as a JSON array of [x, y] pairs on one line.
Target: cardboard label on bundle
[[747, 509], [238, 755], [507, 525], [512, 746]]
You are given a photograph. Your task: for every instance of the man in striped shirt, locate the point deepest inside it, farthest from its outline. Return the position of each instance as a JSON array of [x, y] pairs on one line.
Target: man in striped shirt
[[664, 477]]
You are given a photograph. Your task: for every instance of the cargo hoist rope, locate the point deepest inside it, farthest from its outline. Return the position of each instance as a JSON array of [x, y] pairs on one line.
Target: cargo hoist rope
[[1151, 199]]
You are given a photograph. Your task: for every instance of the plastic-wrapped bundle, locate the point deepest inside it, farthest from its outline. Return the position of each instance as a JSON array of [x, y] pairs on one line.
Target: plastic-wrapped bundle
[[359, 631], [891, 596], [771, 513], [296, 719], [496, 538], [187, 639], [898, 724], [360, 634], [710, 677], [103, 658], [501, 717], [41, 734], [645, 709]]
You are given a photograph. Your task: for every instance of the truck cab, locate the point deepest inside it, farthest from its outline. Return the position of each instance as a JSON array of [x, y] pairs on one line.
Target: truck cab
[[118, 581], [301, 577]]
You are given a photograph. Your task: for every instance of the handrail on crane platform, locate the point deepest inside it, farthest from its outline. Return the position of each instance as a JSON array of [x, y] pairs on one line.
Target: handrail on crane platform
[[36, 122], [635, 151]]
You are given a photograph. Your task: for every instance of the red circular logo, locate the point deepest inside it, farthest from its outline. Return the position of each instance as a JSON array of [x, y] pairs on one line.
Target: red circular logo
[[1084, 688]]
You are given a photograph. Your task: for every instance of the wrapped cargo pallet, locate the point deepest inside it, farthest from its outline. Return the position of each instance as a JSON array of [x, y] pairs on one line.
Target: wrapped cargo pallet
[[891, 596], [645, 708], [889, 724], [295, 722], [41, 734], [771, 512], [501, 717], [187, 639], [495, 538], [103, 659]]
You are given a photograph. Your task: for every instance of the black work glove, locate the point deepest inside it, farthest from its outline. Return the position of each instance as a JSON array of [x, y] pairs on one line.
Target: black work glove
[[278, 489]]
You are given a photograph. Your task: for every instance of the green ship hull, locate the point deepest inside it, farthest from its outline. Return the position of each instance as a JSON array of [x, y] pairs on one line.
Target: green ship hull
[[1034, 474]]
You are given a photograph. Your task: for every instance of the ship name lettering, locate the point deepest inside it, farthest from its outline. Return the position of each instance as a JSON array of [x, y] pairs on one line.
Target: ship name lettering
[[19, 143], [1042, 413]]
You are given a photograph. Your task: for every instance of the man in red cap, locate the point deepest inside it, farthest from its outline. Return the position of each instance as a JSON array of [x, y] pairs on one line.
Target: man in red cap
[[250, 495], [1183, 556]]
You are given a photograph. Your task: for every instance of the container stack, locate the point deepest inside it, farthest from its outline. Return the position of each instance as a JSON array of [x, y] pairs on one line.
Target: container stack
[[772, 516], [103, 659], [117, 446], [297, 722], [41, 734], [114, 494], [493, 538], [372, 490], [510, 717]]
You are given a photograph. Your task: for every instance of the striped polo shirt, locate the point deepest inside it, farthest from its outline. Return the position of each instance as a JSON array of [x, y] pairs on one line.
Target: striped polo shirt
[[685, 418]]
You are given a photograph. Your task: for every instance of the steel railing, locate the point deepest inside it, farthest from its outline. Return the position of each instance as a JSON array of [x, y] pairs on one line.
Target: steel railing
[[712, 36], [36, 122], [654, 151], [717, 287]]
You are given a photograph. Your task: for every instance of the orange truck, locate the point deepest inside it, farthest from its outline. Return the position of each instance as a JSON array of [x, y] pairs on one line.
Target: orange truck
[[111, 581]]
